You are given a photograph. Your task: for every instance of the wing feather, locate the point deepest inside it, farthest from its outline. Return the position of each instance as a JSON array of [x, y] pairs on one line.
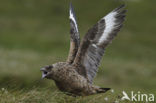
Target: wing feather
[[74, 36], [96, 40]]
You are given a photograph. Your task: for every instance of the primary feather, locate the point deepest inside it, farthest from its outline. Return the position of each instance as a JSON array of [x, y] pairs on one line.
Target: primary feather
[[97, 38], [74, 36]]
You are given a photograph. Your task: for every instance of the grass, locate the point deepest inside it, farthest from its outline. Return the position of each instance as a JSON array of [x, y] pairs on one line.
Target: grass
[[34, 95], [36, 33]]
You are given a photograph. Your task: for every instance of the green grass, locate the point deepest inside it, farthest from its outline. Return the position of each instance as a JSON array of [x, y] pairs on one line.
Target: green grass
[[35, 33], [45, 96]]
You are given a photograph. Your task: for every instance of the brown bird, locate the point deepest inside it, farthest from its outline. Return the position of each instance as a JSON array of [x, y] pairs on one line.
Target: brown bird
[[75, 76]]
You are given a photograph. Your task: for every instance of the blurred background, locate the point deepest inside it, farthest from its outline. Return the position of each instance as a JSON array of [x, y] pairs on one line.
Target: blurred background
[[35, 33]]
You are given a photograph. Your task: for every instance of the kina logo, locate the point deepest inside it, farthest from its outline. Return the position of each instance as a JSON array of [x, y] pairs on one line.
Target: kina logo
[[140, 97]]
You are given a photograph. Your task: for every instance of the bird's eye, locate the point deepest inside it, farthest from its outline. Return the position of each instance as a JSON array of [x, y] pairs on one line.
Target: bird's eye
[[49, 67]]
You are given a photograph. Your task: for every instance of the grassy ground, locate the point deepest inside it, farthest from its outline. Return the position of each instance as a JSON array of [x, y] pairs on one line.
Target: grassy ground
[[36, 33]]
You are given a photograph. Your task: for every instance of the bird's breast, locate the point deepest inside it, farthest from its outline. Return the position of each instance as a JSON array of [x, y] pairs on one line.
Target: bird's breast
[[70, 80]]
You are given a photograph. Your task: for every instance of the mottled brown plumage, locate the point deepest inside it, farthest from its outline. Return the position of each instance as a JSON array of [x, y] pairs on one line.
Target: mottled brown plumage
[[75, 76]]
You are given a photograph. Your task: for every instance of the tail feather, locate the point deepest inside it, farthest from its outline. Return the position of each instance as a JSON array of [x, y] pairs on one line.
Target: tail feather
[[102, 90]]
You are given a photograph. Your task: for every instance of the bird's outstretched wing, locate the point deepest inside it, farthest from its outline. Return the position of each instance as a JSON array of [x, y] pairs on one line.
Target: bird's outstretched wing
[[74, 36], [95, 41]]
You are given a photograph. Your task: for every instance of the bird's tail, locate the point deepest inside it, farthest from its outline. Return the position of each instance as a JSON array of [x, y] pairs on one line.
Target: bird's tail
[[102, 90]]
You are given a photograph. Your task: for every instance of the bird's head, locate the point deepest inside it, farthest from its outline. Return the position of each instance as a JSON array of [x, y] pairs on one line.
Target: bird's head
[[50, 71], [47, 71]]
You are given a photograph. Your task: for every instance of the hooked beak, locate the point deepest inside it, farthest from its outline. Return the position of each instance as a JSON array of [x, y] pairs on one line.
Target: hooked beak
[[42, 69]]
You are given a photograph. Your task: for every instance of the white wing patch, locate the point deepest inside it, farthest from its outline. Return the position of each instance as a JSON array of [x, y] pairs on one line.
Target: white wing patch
[[73, 19], [109, 26], [94, 45]]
